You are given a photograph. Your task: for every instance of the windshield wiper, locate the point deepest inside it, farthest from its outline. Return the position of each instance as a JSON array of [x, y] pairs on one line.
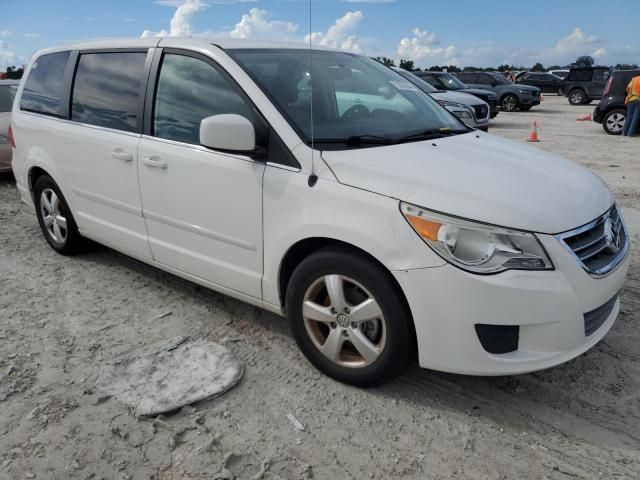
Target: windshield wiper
[[355, 140], [431, 134]]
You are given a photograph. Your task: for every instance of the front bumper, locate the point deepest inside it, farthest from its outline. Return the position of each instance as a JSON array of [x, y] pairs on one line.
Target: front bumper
[[548, 306], [598, 114], [529, 100]]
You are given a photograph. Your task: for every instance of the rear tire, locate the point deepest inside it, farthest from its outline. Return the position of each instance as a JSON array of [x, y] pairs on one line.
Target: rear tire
[[613, 121], [361, 347], [54, 216], [577, 97]]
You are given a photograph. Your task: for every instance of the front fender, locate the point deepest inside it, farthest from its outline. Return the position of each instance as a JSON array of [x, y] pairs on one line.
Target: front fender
[[293, 212]]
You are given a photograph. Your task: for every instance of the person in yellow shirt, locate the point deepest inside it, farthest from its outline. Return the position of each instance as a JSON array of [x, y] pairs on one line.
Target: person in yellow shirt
[[632, 101]]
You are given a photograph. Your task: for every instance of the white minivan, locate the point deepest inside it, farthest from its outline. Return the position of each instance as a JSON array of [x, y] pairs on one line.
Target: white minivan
[[382, 227]]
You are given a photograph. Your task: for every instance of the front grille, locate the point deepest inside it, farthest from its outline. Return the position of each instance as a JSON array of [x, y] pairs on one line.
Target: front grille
[[481, 111], [498, 338], [594, 319], [600, 245]]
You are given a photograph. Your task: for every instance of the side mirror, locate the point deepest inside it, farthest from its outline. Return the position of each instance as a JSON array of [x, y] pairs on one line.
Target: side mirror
[[229, 133]]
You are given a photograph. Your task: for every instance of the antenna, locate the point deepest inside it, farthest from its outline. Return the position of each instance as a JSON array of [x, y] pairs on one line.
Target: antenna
[[313, 178]]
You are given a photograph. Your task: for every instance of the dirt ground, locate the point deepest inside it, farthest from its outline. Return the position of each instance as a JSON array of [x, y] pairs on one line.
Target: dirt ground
[[61, 319]]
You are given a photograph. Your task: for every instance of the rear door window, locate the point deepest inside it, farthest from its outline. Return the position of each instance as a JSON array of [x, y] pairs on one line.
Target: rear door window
[[580, 75], [7, 94], [107, 89], [468, 77], [44, 89]]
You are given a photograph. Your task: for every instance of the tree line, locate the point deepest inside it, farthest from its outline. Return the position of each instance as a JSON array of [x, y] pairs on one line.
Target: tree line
[[537, 67]]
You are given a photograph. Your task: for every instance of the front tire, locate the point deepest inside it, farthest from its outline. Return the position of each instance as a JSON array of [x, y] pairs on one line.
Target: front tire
[[509, 103], [348, 318], [54, 216], [613, 121]]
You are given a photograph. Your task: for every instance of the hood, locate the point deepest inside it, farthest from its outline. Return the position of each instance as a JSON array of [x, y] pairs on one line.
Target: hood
[[525, 87], [480, 177], [477, 91], [457, 97]]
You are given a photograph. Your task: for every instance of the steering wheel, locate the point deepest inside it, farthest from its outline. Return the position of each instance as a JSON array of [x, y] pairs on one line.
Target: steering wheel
[[357, 111]]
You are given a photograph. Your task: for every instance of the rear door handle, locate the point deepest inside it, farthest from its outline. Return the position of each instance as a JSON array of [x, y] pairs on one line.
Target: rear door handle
[[120, 154], [154, 162]]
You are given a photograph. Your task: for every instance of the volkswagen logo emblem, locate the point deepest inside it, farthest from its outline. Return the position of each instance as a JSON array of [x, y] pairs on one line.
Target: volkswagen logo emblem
[[612, 236]]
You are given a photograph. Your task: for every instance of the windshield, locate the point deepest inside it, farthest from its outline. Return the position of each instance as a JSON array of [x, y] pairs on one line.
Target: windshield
[[500, 79], [449, 82], [417, 81], [7, 94], [353, 96]]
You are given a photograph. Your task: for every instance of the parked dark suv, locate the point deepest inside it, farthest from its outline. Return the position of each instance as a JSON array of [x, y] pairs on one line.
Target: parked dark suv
[[511, 96], [611, 111], [446, 81], [585, 84], [547, 82]]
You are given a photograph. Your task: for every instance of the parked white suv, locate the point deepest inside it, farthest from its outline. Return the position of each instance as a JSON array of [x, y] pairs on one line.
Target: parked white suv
[[382, 228]]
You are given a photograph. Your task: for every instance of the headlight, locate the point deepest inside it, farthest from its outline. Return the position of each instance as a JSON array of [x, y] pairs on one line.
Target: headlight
[[524, 92], [445, 103], [477, 247], [461, 114]]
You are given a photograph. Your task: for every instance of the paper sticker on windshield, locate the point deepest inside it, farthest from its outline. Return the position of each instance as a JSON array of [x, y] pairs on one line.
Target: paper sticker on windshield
[[400, 85]]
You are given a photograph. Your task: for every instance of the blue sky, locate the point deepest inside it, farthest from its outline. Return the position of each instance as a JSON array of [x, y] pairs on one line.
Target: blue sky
[[462, 32]]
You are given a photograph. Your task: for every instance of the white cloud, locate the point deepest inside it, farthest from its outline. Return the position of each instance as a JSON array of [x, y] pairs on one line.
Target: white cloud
[[7, 57], [256, 24], [339, 35], [425, 46], [180, 25], [5, 34], [31, 35]]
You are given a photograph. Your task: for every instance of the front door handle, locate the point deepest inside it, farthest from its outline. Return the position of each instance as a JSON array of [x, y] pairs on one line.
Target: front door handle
[[154, 162], [120, 154]]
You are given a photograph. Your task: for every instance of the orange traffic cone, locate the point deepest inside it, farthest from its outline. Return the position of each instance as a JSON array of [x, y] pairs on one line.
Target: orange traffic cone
[[533, 136], [584, 118]]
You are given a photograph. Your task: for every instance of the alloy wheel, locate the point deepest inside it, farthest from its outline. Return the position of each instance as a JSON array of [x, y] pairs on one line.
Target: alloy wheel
[[576, 98], [510, 103], [344, 321], [615, 122], [55, 223]]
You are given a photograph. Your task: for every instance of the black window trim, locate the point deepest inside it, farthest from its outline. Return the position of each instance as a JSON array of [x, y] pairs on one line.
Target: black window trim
[[72, 70], [152, 87], [66, 76]]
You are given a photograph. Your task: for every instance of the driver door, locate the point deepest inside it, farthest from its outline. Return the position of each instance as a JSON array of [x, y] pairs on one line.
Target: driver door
[[203, 208]]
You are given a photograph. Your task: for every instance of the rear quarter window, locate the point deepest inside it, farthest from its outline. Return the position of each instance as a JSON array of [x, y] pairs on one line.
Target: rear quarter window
[[44, 89]]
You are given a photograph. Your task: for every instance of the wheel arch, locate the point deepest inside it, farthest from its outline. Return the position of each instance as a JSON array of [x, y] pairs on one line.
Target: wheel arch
[[33, 174], [305, 247]]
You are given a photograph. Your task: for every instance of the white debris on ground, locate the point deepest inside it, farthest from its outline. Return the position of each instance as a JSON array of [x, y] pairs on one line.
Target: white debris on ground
[[166, 376], [63, 318]]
